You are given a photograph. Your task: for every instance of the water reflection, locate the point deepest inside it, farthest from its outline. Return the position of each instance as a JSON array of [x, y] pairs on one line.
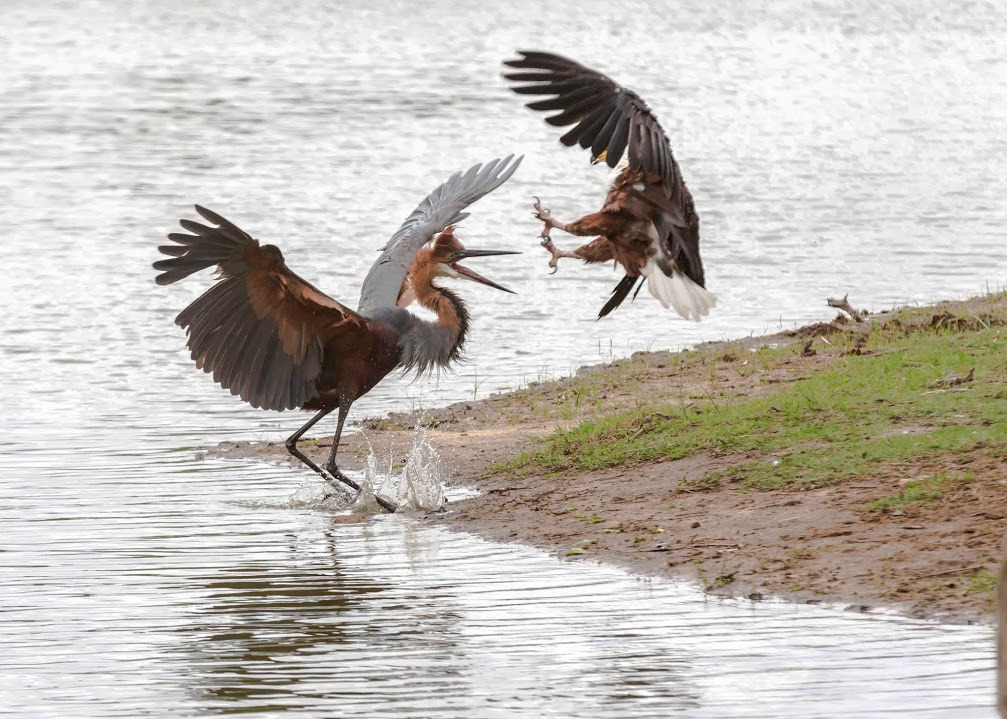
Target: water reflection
[[390, 637], [260, 629], [451, 627], [253, 619]]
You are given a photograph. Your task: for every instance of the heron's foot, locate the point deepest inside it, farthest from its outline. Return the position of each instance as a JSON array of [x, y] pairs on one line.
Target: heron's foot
[[556, 253], [336, 473]]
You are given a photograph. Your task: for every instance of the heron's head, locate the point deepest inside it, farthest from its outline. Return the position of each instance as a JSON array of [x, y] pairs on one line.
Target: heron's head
[[448, 252]]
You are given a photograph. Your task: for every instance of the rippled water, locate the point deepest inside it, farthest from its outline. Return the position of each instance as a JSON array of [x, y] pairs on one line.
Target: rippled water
[[831, 148]]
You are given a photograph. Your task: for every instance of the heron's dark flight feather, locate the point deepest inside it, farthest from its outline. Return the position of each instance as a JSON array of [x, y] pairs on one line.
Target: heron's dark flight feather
[[260, 330]]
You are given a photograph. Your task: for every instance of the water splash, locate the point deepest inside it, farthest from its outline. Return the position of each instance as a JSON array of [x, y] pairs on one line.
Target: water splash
[[418, 486]]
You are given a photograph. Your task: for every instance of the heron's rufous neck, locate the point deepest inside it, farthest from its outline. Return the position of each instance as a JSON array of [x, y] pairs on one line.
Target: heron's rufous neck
[[419, 285]]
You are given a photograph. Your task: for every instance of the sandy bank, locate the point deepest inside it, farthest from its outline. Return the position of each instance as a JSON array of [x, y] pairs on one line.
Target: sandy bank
[[842, 462]]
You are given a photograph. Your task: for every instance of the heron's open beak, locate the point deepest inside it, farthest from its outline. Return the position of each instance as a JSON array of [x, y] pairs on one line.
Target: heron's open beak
[[475, 276]]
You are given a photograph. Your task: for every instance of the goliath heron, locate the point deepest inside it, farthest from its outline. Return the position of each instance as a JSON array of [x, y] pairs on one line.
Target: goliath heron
[[648, 223], [279, 343]]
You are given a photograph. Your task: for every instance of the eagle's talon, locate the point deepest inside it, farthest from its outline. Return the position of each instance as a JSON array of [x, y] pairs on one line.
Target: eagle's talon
[[542, 213], [551, 248]]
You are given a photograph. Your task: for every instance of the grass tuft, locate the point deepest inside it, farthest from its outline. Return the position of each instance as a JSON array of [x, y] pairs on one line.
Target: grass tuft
[[983, 581], [867, 403], [926, 490]]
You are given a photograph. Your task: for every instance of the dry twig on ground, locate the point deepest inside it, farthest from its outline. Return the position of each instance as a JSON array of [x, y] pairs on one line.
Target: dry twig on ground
[[846, 307]]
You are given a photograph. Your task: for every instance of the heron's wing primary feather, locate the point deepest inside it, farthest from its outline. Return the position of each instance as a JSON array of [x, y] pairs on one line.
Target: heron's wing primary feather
[[608, 119], [260, 329], [441, 208]]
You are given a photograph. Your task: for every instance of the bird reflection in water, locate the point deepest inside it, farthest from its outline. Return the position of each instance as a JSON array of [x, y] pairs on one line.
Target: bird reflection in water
[[298, 629]]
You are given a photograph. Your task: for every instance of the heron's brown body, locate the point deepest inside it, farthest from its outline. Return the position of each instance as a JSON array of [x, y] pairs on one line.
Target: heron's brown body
[[266, 334], [280, 343], [354, 365]]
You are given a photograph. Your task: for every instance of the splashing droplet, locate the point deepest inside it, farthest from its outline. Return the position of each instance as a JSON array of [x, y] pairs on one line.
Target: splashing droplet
[[418, 486]]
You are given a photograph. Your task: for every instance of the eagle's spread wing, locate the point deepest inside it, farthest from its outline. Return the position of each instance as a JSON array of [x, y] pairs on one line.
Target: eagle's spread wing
[[609, 118], [441, 208], [612, 121], [260, 329]]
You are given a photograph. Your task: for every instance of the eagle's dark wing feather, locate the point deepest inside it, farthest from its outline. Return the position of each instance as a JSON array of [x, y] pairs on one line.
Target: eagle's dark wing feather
[[612, 122], [620, 292], [608, 119]]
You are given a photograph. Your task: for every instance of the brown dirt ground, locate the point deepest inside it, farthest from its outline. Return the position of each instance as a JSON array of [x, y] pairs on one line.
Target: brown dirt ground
[[813, 546]]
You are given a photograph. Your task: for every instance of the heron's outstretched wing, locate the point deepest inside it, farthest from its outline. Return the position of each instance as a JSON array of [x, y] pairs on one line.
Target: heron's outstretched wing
[[441, 208], [260, 329], [609, 119]]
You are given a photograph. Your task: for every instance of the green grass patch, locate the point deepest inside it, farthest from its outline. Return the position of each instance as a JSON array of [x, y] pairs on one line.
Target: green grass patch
[[859, 412], [983, 582], [926, 490]]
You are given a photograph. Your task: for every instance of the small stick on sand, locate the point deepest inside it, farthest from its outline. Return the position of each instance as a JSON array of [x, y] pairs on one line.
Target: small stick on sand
[[954, 380], [950, 571]]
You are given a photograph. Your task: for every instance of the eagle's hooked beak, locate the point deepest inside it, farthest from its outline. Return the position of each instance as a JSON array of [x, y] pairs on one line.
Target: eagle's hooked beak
[[475, 276]]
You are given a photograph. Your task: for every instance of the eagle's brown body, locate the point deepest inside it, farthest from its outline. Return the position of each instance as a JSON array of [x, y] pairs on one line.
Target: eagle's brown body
[[648, 222], [626, 223]]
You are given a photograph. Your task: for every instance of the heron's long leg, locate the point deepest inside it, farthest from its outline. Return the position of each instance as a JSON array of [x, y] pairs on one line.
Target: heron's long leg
[[292, 447], [344, 409]]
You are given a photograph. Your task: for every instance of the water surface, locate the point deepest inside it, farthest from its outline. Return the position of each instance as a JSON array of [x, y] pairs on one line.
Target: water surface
[[831, 148]]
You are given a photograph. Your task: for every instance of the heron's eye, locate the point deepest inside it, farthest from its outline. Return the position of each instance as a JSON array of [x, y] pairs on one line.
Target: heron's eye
[[452, 256]]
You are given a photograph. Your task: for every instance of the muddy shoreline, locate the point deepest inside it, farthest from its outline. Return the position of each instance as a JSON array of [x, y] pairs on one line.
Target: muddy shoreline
[[819, 544]]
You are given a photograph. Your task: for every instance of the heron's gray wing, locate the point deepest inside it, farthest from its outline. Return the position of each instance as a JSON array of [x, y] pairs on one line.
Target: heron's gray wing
[[441, 208], [608, 119]]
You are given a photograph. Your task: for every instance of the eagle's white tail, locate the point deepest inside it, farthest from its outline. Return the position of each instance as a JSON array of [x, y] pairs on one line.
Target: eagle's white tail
[[678, 291]]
